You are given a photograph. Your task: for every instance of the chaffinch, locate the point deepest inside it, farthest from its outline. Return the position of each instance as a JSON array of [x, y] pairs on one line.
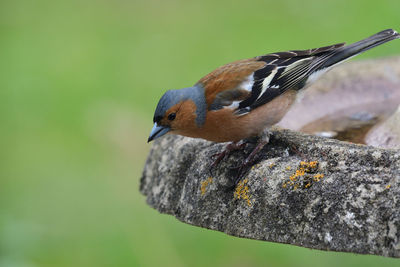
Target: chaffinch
[[239, 100]]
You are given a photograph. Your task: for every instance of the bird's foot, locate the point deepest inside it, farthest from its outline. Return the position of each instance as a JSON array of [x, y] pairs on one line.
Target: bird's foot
[[226, 153], [252, 157], [249, 161]]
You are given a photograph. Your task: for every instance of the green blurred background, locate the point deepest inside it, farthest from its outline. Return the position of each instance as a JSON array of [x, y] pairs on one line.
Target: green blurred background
[[78, 84]]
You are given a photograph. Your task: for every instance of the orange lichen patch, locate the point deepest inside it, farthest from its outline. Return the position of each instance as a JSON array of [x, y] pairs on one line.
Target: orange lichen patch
[[318, 177], [308, 166], [204, 185], [301, 177], [242, 192]]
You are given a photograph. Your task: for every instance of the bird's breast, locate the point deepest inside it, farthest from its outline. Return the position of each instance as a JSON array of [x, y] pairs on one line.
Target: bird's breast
[[224, 126]]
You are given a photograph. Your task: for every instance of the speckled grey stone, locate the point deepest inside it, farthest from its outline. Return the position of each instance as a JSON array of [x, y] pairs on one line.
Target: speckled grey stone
[[355, 207]]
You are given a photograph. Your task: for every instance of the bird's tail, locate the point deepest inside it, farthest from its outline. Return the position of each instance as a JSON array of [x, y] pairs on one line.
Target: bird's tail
[[346, 52]]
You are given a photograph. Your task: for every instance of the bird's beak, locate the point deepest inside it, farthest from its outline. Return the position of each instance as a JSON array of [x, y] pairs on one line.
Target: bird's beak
[[157, 131]]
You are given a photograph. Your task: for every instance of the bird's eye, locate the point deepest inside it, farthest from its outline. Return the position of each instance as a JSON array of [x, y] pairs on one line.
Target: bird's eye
[[172, 116]]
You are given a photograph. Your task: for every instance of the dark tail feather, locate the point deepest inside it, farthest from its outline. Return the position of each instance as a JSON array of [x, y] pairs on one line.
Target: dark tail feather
[[348, 51]]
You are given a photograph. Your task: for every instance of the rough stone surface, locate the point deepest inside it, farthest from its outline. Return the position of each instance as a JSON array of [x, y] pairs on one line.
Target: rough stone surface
[[354, 207]]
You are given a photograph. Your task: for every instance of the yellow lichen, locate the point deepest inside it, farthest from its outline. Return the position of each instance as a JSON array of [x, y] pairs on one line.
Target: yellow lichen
[[242, 192], [318, 177], [388, 186], [303, 170], [288, 168], [204, 185], [308, 166], [313, 164]]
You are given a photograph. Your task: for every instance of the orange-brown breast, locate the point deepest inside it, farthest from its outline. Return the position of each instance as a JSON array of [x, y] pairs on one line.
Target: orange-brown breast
[[224, 126], [228, 77]]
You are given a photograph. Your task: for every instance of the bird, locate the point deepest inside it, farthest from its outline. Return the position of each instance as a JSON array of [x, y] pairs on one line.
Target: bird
[[239, 100]]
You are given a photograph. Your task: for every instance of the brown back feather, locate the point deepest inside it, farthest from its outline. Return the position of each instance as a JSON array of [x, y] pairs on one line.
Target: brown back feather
[[228, 77]]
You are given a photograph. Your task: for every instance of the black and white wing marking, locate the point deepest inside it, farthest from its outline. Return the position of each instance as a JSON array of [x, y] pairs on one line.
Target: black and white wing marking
[[283, 71]]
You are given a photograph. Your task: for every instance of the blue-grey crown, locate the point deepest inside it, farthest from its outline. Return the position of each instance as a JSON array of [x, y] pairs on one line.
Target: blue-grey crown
[[173, 97]]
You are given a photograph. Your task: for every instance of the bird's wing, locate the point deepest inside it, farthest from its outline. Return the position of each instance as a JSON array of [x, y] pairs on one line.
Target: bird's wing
[[230, 82], [284, 71], [247, 84]]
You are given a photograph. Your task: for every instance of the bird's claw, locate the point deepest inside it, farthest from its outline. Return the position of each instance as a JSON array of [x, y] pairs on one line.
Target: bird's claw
[[226, 153], [249, 161]]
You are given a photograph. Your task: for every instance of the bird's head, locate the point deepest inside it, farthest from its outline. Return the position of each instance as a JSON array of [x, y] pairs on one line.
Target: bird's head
[[178, 111]]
